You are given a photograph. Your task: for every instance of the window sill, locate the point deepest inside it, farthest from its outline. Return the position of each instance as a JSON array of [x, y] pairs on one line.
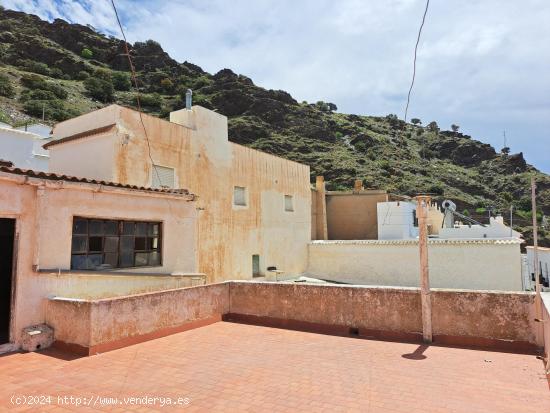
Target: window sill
[[118, 272]]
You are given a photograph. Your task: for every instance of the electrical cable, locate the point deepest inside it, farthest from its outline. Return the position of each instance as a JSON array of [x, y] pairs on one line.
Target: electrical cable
[[136, 87], [414, 61]]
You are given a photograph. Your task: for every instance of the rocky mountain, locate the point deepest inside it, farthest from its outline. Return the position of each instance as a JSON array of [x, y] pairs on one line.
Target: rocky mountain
[[66, 69]]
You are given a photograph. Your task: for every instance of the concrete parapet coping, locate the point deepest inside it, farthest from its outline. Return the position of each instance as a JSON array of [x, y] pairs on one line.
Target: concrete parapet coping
[[54, 271], [491, 241]]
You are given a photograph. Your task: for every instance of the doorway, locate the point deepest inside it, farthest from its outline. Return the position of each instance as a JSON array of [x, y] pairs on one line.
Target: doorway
[[7, 237]]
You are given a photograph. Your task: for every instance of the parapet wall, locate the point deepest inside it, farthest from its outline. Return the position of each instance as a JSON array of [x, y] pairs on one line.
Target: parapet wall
[[487, 319], [468, 264]]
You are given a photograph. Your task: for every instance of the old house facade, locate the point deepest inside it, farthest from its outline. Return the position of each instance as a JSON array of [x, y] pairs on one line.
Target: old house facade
[[253, 208]]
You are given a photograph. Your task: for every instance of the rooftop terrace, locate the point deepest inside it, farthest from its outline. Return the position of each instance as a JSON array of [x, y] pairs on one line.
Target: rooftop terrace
[[236, 367]]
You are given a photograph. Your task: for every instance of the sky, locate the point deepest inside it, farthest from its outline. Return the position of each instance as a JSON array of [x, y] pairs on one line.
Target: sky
[[484, 65]]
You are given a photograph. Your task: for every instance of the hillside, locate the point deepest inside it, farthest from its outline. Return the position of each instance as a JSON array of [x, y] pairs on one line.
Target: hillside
[[68, 69]]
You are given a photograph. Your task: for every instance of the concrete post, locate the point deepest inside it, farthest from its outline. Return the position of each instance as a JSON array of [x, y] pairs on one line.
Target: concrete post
[[421, 213], [357, 186], [322, 229]]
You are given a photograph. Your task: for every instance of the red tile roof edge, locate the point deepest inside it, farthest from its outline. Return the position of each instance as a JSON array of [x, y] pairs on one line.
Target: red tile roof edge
[[56, 177]]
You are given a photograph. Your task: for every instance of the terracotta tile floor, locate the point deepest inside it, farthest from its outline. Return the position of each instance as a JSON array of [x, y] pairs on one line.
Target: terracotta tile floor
[[229, 367]]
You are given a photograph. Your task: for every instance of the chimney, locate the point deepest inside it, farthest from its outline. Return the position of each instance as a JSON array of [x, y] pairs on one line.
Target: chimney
[[188, 99]]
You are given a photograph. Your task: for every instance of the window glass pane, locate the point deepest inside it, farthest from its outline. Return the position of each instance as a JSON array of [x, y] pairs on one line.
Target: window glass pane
[[152, 243], [128, 228], [153, 229], [141, 259], [127, 244], [80, 226], [112, 260], [96, 227], [111, 227], [154, 258], [141, 228], [78, 262], [96, 244], [127, 259], [140, 243], [80, 243], [111, 244], [94, 261]]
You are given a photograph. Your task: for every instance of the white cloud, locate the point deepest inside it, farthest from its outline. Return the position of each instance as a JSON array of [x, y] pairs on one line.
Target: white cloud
[[482, 65]]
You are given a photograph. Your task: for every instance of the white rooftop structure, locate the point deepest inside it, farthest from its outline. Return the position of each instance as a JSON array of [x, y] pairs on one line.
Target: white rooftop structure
[[24, 149]]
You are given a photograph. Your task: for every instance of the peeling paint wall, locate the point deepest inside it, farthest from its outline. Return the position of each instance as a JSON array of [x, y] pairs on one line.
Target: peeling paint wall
[[207, 164], [44, 233], [93, 323], [482, 317], [482, 265], [476, 314]]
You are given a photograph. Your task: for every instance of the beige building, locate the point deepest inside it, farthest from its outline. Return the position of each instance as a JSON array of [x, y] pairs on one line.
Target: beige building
[[254, 208], [85, 239]]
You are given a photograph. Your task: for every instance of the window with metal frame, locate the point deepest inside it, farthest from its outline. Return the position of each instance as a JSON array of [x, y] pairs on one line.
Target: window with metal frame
[[104, 243]]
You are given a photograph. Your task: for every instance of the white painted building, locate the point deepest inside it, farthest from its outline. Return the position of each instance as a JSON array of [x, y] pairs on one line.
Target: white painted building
[[396, 220], [544, 263], [24, 148], [495, 230]]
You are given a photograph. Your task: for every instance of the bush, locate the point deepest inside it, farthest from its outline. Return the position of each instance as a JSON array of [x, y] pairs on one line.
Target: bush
[[99, 89], [87, 53], [151, 101], [167, 85], [36, 67], [41, 94], [6, 87], [121, 81], [53, 109], [82, 75], [56, 72]]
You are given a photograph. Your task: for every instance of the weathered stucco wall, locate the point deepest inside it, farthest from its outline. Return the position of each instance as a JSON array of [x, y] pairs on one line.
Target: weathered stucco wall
[[376, 308], [101, 325], [44, 220], [207, 164], [459, 317], [352, 216], [480, 318], [476, 265]]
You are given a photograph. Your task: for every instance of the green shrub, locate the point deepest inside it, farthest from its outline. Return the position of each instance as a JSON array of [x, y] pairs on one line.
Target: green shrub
[[151, 101], [33, 81], [480, 210], [6, 87], [56, 72], [121, 81], [87, 53], [99, 89], [53, 109], [36, 67], [40, 94], [82, 75], [167, 85]]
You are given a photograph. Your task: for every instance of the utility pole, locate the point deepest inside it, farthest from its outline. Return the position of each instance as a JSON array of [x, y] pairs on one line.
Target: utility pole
[[421, 212], [43, 111], [511, 219], [535, 248]]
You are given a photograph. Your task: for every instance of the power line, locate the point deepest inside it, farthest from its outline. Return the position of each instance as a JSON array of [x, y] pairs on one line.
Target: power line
[[136, 87], [414, 61]]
